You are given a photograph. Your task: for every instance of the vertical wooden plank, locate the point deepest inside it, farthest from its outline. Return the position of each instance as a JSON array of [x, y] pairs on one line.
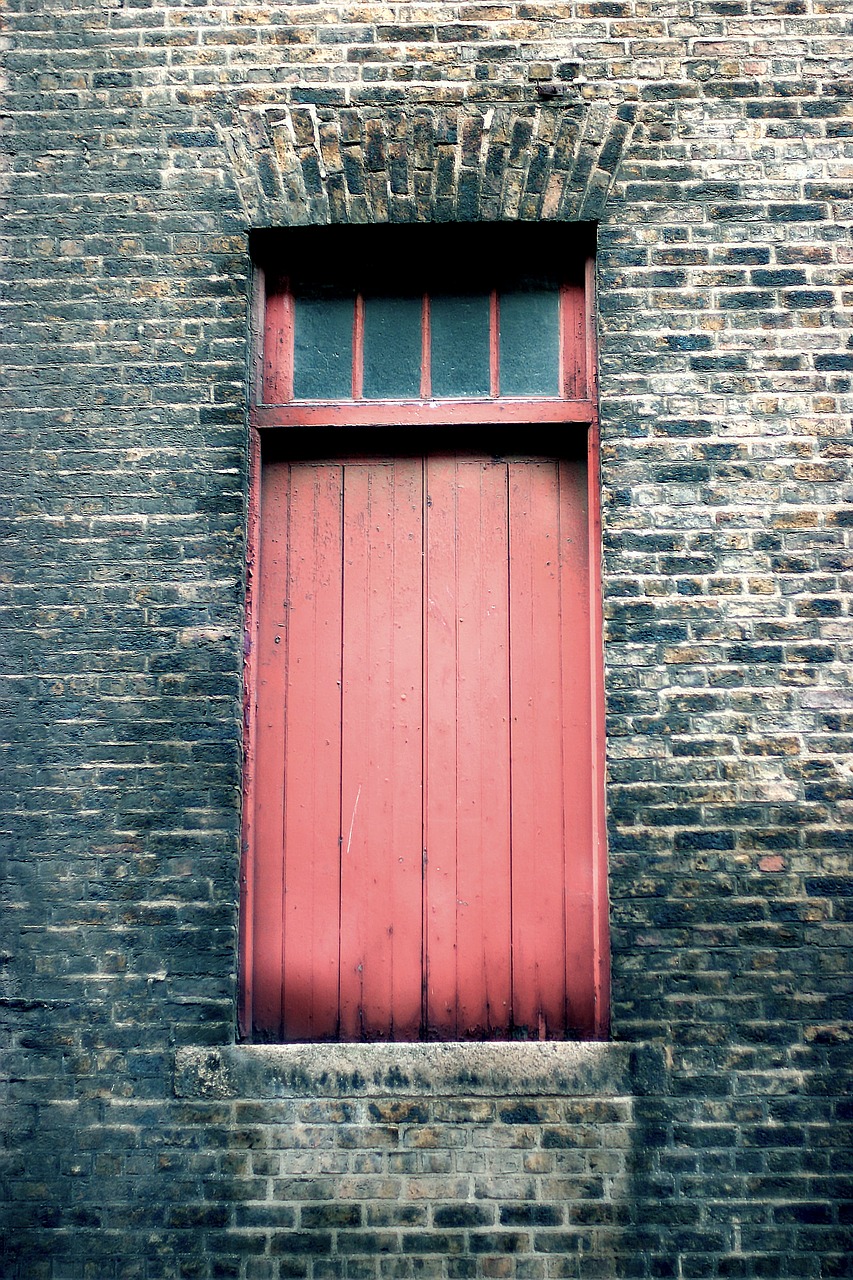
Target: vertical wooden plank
[[381, 761], [576, 680], [313, 749], [467, 727], [483, 928], [539, 945], [270, 670], [441, 719]]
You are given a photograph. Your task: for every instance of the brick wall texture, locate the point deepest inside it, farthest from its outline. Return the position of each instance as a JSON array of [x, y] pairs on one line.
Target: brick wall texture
[[712, 142]]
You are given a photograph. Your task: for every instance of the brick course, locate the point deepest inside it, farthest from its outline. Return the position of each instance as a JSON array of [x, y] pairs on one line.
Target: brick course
[[713, 143]]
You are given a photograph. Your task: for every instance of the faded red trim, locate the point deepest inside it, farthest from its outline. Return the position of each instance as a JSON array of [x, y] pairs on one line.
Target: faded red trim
[[278, 346], [575, 347], [601, 920], [250, 626], [272, 322], [408, 413], [573, 341]]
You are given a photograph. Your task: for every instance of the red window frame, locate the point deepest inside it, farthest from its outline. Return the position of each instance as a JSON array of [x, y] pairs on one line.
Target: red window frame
[[278, 406], [275, 414]]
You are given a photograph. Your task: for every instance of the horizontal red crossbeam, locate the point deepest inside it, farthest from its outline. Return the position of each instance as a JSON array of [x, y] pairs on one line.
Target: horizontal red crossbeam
[[422, 413]]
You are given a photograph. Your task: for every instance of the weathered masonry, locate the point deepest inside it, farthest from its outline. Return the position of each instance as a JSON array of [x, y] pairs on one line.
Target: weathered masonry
[[427, 640]]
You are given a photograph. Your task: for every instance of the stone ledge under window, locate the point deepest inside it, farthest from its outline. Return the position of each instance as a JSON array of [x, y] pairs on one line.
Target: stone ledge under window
[[524, 1069]]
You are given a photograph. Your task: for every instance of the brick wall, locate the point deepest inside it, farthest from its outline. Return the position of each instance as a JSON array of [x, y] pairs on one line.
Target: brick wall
[[712, 143]]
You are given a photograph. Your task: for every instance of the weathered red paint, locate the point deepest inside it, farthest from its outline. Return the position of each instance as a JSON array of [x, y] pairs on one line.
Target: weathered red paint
[[467, 775], [278, 346], [267, 888], [598, 852], [573, 344], [419, 413], [278, 385], [310, 631], [244, 1009], [447, 875], [423, 796], [381, 755]]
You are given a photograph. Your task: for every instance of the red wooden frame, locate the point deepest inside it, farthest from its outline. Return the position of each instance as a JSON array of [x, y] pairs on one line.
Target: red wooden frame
[[274, 410], [276, 406]]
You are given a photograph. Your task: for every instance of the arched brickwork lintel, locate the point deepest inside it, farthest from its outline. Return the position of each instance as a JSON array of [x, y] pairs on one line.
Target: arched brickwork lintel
[[319, 165]]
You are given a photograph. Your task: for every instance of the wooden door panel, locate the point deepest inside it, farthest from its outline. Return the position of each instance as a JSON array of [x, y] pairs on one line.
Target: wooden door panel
[[312, 784], [577, 769], [467, 835], [297, 888], [271, 668], [537, 741], [423, 861], [382, 752]]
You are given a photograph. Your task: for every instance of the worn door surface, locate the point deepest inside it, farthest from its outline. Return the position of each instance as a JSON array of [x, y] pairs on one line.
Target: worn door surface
[[423, 804]]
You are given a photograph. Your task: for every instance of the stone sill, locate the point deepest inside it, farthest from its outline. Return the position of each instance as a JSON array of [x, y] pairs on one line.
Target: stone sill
[[518, 1069]]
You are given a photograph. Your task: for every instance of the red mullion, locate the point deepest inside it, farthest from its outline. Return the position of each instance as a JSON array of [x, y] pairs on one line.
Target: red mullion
[[278, 344], [494, 345], [358, 348], [426, 350]]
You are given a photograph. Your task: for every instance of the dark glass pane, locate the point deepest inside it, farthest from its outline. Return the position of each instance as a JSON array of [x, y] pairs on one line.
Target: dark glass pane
[[322, 358], [392, 348], [530, 343], [459, 327]]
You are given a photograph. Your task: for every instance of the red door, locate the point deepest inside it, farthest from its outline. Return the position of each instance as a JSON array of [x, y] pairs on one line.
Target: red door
[[423, 861]]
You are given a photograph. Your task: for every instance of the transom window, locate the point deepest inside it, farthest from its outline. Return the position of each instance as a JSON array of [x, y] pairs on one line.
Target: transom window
[[444, 346], [375, 333]]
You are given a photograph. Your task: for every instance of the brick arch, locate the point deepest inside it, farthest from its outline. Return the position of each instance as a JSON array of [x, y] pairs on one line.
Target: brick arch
[[321, 165]]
